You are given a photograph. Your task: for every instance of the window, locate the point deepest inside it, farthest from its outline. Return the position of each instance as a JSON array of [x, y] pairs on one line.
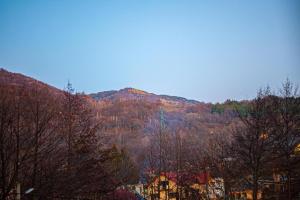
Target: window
[[164, 185]]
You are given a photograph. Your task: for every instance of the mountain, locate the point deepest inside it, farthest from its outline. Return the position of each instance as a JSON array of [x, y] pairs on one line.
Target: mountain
[[129, 117], [139, 106]]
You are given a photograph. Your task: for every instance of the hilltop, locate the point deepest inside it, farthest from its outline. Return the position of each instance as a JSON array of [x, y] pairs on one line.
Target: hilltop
[[133, 93]]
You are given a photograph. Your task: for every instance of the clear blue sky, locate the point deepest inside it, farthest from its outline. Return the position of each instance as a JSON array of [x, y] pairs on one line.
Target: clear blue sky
[[204, 50]]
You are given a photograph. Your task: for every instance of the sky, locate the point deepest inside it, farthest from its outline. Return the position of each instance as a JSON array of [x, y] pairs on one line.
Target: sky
[[204, 50]]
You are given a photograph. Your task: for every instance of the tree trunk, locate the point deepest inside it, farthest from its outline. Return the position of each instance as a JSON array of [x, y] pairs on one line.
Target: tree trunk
[[255, 188]]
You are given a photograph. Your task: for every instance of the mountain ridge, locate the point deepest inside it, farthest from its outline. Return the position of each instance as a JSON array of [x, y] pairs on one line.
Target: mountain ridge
[[133, 93], [21, 80]]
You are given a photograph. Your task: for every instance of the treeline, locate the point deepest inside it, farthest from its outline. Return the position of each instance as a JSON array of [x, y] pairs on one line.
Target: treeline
[[257, 152], [50, 147], [230, 106]]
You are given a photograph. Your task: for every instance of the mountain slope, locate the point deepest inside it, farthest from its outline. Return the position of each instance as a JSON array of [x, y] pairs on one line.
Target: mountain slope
[[19, 80], [129, 116], [136, 104]]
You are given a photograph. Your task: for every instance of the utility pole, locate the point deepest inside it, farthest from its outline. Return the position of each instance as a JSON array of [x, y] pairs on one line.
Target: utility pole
[[160, 149]]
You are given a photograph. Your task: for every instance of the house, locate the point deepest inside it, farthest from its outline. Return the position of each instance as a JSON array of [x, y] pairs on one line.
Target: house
[[172, 186], [163, 187], [245, 194]]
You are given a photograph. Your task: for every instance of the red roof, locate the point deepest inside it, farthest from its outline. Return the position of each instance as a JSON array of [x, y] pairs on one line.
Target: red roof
[[200, 178]]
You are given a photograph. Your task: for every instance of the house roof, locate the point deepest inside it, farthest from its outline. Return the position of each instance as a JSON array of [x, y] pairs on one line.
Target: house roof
[[186, 178]]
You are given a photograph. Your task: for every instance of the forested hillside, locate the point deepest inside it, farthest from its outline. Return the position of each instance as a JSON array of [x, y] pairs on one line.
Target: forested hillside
[[129, 117]]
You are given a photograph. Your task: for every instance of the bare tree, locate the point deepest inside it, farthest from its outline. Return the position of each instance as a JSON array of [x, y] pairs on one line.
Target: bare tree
[[252, 143], [286, 133], [9, 142]]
